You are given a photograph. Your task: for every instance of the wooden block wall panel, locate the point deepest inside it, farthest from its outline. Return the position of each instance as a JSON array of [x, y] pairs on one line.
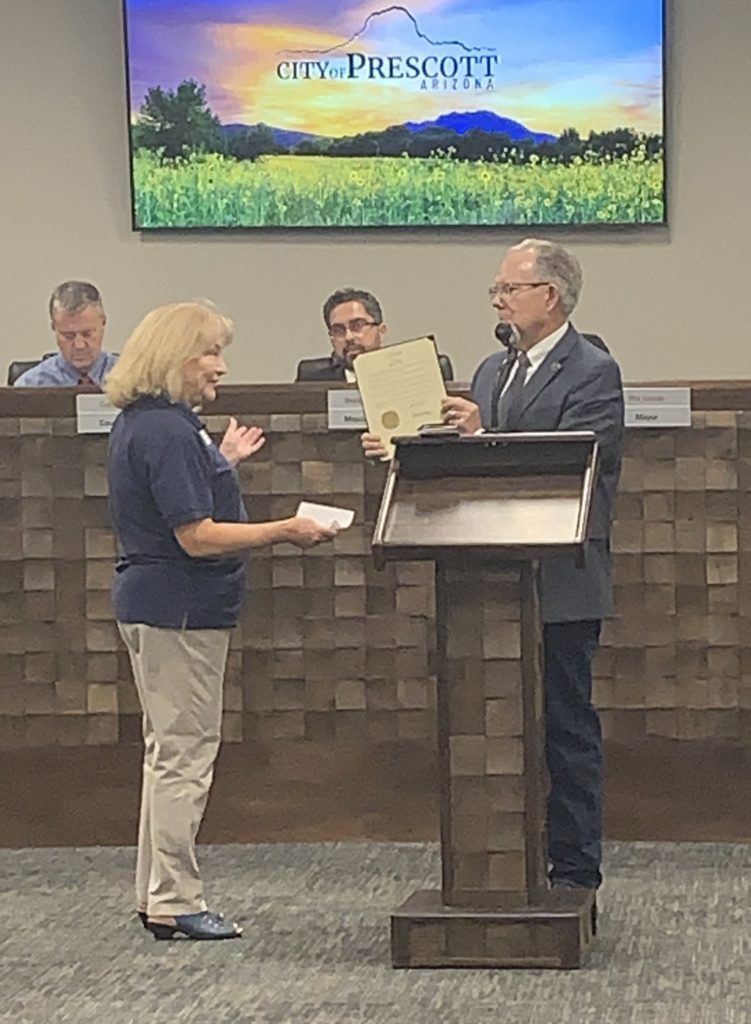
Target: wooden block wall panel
[[682, 584], [329, 647], [351, 647]]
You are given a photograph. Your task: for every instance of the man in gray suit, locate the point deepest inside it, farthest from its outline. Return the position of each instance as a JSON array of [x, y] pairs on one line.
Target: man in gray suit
[[550, 378]]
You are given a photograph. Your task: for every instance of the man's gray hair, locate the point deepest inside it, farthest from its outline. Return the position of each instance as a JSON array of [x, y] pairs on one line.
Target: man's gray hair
[[559, 266], [72, 297]]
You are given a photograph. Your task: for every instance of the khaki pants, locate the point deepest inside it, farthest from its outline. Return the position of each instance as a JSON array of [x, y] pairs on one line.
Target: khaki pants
[[179, 676]]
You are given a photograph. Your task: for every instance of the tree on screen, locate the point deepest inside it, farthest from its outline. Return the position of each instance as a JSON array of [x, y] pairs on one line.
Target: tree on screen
[[254, 142], [177, 122]]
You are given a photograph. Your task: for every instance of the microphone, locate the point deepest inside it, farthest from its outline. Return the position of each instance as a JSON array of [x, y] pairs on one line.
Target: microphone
[[504, 333]]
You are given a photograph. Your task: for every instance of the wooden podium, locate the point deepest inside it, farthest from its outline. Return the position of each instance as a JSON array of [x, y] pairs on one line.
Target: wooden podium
[[484, 509]]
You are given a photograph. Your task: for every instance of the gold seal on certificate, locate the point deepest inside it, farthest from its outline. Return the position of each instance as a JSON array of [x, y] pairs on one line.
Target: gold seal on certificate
[[401, 387]]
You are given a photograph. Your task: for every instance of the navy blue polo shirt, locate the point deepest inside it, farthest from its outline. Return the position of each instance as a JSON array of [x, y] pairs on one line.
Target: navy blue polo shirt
[[164, 470]]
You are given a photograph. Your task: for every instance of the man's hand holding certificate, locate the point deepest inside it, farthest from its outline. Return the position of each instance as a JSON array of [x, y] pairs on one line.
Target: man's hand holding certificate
[[401, 388]]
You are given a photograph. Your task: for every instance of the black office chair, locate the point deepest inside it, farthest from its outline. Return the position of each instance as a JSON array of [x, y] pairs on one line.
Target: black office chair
[[323, 368], [19, 366]]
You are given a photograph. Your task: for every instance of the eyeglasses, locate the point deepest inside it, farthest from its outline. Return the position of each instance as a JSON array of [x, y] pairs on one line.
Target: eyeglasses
[[353, 326], [509, 288]]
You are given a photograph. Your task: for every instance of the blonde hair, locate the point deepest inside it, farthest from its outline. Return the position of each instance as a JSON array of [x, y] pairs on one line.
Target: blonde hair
[[166, 339]]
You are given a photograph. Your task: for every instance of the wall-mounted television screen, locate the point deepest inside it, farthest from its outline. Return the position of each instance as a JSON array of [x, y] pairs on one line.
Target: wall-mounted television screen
[[433, 113]]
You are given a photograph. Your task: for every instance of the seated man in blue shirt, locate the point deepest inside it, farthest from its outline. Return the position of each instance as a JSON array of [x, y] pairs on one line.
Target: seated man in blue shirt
[[77, 317]]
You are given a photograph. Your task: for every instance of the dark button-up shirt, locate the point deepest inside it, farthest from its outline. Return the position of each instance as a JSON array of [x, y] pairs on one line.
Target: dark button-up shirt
[[165, 471]]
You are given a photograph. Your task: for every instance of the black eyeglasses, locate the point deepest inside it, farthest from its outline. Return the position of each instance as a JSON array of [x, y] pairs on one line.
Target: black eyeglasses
[[508, 288], [357, 326]]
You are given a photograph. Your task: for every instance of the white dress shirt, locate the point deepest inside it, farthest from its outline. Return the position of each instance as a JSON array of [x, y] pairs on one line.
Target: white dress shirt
[[537, 354]]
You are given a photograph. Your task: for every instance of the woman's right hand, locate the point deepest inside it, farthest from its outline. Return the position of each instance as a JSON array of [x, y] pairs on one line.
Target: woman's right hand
[[306, 533], [373, 446]]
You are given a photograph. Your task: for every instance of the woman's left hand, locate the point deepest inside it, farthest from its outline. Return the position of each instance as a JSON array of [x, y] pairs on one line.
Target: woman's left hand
[[240, 443]]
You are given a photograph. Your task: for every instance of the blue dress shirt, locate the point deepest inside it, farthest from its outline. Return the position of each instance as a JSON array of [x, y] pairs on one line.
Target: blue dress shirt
[[56, 373]]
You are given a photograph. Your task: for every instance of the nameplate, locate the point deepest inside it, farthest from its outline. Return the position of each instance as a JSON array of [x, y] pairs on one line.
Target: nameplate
[[95, 414], [658, 407], [345, 410]]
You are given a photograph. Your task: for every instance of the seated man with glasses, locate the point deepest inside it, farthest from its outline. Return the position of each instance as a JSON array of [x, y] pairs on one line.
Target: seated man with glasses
[[354, 321]]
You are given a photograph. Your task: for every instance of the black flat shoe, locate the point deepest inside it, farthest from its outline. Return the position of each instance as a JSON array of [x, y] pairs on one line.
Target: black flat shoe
[[204, 925]]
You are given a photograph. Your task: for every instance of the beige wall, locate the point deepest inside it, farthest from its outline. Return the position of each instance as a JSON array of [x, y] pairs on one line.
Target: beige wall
[[667, 302]]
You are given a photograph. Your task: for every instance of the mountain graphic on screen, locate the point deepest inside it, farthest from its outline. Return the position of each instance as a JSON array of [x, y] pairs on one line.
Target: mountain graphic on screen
[[283, 136], [400, 10], [459, 122], [480, 120]]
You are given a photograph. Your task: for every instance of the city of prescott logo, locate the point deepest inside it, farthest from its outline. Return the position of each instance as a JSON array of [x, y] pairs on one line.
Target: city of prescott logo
[[452, 66]]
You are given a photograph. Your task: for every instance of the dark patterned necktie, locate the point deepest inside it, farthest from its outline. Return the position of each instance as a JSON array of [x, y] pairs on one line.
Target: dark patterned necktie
[[84, 381], [511, 397]]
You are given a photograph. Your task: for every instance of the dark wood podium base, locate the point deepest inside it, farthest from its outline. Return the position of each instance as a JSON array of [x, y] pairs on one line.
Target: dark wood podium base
[[556, 932]]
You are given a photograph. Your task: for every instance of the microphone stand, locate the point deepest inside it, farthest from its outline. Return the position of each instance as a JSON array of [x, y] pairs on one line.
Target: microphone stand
[[505, 335]]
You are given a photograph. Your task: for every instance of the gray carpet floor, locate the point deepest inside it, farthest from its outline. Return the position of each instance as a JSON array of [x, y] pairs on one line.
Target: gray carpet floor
[[674, 943]]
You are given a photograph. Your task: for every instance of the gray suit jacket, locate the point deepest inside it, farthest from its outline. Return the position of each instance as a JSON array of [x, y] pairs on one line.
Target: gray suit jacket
[[578, 387]]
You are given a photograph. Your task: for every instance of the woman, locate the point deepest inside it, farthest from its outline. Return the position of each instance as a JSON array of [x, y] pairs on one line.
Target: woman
[[180, 524]]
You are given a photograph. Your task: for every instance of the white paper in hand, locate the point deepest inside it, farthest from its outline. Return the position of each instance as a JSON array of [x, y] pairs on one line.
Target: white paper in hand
[[328, 516]]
